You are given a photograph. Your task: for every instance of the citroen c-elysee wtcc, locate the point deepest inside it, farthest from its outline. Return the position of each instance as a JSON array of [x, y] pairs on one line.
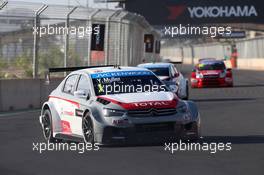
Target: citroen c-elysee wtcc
[[107, 105], [211, 73], [172, 77]]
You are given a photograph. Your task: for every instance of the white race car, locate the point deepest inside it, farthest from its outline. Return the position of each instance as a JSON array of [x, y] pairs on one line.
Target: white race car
[[115, 104], [173, 78]]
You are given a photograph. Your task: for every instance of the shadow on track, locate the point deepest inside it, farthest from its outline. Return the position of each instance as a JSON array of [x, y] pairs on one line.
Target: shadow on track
[[248, 85], [250, 139], [223, 99]]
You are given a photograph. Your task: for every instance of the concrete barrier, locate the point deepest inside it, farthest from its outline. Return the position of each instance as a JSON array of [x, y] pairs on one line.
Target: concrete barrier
[[24, 93], [242, 63]]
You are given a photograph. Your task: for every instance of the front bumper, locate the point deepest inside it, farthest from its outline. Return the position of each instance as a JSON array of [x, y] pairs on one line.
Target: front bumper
[[211, 82], [147, 133]]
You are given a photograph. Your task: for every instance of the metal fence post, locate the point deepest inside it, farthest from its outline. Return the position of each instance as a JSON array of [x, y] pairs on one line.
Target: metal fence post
[[90, 37], [119, 51], [36, 39], [107, 37], [193, 54], [1, 7], [66, 44]]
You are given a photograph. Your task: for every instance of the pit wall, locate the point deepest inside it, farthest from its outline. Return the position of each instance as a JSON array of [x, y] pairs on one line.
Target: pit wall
[[247, 64], [24, 93], [250, 52]]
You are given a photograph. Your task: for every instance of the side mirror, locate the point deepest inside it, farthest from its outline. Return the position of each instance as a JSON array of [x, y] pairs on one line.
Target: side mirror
[[82, 94], [176, 75], [229, 69]]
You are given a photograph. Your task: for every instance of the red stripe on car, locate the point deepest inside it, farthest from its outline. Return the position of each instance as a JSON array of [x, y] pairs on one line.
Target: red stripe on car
[[144, 104], [70, 101]]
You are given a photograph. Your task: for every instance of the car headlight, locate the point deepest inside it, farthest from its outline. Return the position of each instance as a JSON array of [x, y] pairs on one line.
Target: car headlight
[[182, 108], [113, 112], [199, 75], [173, 88]]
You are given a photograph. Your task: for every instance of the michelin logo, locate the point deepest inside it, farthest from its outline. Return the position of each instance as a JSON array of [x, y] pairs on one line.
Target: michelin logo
[[222, 11]]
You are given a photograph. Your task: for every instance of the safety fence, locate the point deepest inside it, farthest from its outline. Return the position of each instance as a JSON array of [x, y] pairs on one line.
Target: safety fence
[[34, 37]]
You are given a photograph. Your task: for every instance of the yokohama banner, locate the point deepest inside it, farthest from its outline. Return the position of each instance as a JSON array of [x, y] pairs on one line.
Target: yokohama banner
[[159, 12]]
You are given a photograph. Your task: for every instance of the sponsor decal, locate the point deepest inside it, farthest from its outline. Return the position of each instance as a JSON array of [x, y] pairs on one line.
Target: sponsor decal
[[70, 113], [120, 74], [222, 11], [65, 127], [176, 11], [152, 104], [144, 104], [78, 112]]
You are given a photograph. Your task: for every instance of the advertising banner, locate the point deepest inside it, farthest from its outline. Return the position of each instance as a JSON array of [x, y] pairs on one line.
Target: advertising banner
[[196, 12]]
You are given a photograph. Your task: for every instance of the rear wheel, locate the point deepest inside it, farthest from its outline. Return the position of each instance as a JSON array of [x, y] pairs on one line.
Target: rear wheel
[[47, 126], [87, 128]]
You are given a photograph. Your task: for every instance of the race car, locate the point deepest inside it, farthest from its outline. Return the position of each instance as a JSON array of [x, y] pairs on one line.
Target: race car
[[173, 78], [116, 105], [211, 73]]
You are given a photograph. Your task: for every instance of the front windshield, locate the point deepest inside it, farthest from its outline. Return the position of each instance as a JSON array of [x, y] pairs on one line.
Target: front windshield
[[127, 84], [211, 66], [160, 71]]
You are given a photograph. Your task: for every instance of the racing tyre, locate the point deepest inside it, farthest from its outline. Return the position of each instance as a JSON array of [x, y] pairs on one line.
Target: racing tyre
[[196, 137], [195, 128], [87, 128], [47, 126]]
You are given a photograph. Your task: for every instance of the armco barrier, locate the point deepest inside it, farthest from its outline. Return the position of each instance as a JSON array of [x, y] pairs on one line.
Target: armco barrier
[[24, 93]]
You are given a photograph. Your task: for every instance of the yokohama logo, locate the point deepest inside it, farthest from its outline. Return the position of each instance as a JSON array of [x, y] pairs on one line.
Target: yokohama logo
[[222, 11]]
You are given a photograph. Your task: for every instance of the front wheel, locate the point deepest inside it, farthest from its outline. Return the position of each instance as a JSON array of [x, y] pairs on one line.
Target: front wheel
[[186, 92], [87, 128]]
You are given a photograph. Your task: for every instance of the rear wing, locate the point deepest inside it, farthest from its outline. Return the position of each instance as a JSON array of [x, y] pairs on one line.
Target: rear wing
[[70, 69], [176, 62]]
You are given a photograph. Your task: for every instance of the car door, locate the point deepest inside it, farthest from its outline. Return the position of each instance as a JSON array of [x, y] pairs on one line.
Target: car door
[[68, 105], [81, 94]]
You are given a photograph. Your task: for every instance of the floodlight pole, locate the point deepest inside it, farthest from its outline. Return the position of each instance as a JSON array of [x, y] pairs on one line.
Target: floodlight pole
[[36, 39], [66, 44], [107, 38]]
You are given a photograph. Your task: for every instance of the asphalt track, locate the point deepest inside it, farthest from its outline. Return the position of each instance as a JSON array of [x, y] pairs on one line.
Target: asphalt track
[[233, 115]]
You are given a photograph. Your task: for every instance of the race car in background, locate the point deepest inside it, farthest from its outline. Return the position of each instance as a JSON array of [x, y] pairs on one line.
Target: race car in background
[[169, 74], [211, 73], [101, 105]]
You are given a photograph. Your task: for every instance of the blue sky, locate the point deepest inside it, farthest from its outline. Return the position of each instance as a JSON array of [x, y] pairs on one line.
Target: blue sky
[[66, 2]]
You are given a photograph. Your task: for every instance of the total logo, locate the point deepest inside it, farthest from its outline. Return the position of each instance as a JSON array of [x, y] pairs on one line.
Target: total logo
[[222, 11], [153, 104]]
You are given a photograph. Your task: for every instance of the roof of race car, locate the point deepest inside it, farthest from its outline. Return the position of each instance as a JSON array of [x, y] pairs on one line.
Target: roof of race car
[[108, 72], [155, 65], [110, 69]]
